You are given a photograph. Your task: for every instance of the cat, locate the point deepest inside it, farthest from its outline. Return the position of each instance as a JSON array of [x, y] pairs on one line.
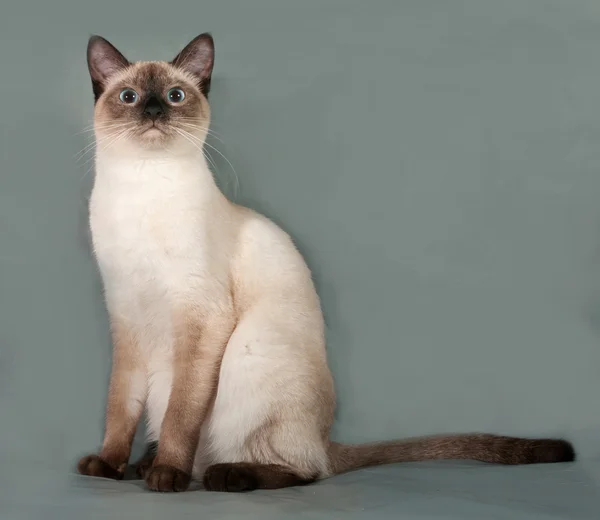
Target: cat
[[217, 328]]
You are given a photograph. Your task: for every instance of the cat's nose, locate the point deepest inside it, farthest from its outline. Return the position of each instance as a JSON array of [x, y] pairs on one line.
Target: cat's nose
[[153, 108]]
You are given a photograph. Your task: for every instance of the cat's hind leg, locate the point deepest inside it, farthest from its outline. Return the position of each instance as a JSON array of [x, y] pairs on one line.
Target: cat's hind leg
[[236, 477], [284, 454]]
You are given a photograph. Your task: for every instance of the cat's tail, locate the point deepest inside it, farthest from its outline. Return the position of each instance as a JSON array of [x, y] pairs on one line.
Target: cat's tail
[[494, 449]]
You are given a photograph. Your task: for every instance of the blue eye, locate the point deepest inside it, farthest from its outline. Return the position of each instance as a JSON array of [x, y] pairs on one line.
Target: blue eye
[[128, 96], [176, 95]]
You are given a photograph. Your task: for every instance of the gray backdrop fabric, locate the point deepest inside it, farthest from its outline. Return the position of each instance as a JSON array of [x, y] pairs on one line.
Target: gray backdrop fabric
[[437, 163]]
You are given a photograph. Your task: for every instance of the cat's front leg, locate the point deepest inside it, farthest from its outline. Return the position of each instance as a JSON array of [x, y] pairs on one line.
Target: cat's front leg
[[126, 398], [198, 350]]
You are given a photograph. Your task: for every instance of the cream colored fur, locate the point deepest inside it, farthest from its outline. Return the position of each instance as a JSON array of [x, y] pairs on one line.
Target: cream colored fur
[[173, 250], [164, 237]]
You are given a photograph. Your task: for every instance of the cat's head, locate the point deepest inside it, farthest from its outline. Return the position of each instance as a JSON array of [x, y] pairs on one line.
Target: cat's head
[[151, 105]]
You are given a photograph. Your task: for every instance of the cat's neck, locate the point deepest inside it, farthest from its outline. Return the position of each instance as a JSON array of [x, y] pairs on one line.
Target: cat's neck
[[158, 170]]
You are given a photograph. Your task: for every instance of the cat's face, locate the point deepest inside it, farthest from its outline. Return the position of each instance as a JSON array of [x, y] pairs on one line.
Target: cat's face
[[151, 105]]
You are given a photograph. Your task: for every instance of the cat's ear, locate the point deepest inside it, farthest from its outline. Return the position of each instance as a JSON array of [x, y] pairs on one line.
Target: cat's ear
[[104, 60], [198, 58]]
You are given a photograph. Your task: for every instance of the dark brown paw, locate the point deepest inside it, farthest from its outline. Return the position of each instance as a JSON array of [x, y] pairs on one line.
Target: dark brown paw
[[232, 478], [166, 479], [145, 463], [142, 468], [94, 466]]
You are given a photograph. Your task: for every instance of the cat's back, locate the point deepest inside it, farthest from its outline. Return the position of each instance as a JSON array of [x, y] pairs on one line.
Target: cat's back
[[268, 265]]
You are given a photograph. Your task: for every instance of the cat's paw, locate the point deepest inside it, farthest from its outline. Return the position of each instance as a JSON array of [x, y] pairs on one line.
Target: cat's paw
[[142, 467], [145, 463], [166, 479], [94, 466], [232, 478]]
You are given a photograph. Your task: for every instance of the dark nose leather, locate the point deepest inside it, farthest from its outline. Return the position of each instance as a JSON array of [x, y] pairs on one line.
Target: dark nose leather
[[153, 108]]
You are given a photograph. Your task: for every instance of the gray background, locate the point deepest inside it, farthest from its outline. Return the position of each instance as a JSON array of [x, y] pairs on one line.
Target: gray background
[[437, 162]]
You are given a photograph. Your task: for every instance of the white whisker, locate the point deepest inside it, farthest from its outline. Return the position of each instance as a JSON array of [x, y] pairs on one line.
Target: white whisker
[[102, 126], [200, 143], [80, 155], [114, 137], [189, 137], [120, 137], [207, 130], [210, 160]]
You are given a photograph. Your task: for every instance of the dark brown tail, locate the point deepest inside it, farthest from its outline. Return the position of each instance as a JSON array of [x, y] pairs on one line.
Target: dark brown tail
[[495, 449]]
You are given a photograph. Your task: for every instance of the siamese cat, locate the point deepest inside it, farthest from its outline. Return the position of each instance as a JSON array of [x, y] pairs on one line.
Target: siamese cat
[[217, 329]]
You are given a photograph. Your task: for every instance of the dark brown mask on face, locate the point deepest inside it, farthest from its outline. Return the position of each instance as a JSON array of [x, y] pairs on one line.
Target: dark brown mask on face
[[151, 103]]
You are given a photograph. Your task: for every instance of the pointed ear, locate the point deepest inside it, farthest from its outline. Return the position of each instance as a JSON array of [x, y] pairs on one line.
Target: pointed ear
[[198, 58], [104, 60]]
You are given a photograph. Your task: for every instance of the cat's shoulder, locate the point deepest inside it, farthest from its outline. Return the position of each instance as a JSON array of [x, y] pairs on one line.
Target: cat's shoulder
[[254, 225]]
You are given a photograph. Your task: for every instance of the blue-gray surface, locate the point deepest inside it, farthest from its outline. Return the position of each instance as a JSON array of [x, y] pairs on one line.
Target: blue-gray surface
[[460, 491], [437, 162]]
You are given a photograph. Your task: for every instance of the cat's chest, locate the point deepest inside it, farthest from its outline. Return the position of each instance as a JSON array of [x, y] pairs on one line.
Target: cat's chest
[[144, 235]]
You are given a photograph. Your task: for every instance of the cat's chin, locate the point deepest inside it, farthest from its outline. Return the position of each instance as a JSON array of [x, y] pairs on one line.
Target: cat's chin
[[153, 133], [153, 137]]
